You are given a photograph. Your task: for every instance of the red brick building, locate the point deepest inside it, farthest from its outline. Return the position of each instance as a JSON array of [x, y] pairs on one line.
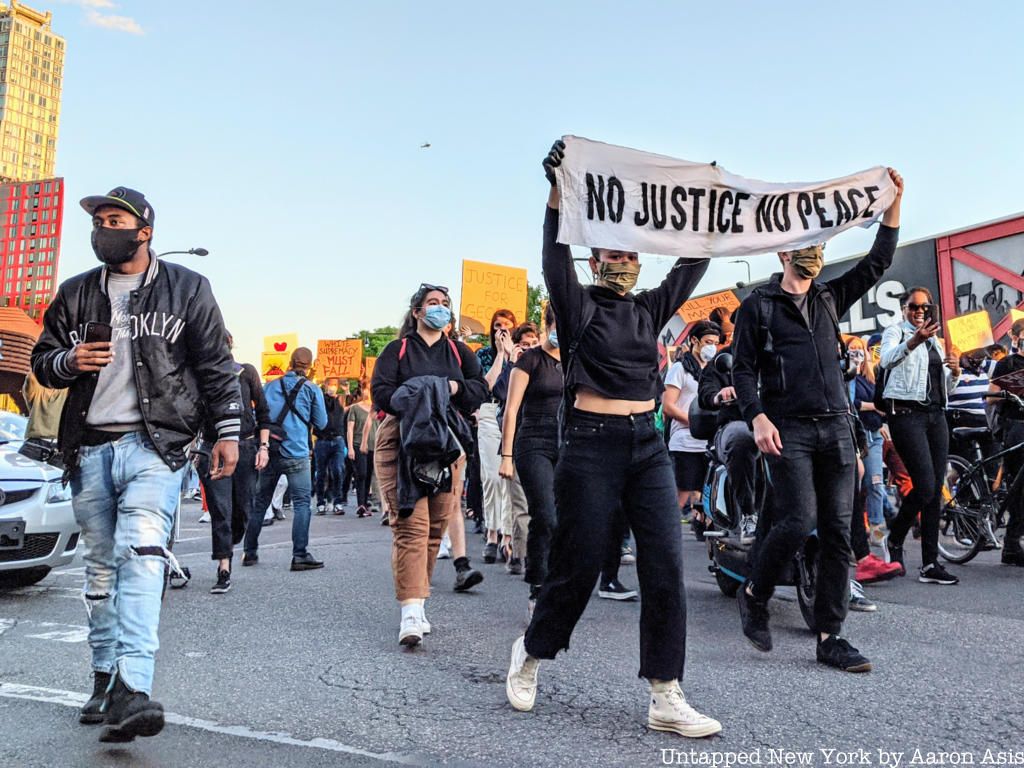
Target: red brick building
[[31, 213]]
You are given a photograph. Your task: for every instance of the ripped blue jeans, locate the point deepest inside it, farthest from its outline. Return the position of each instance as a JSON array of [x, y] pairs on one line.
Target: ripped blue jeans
[[124, 497]]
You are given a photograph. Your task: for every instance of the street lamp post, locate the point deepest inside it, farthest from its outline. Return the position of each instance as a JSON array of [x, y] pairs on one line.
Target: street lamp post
[[189, 252]]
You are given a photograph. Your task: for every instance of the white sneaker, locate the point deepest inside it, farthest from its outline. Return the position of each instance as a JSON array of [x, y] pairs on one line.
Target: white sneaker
[[424, 624], [445, 551], [204, 518], [521, 683], [670, 712], [410, 632]]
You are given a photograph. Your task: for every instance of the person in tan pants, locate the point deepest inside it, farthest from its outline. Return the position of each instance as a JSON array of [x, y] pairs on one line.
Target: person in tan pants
[[422, 349]]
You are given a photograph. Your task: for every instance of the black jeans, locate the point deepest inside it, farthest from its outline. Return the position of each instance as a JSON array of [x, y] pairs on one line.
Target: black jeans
[[230, 499], [812, 486], [608, 462], [858, 532], [536, 454], [350, 477], [474, 486], [921, 438], [364, 474], [1013, 463]]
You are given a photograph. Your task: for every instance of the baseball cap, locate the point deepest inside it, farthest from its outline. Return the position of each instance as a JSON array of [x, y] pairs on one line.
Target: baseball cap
[[705, 328], [302, 356], [130, 200]]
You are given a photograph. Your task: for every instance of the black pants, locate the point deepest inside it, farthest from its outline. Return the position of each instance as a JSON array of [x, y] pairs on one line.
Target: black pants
[[350, 477], [230, 499], [858, 532], [1013, 434], [364, 475], [474, 486], [812, 486], [607, 463], [922, 440], [536, 454]]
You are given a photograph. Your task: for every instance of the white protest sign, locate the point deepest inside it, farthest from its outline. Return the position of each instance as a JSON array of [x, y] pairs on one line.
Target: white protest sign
[[620, 198]]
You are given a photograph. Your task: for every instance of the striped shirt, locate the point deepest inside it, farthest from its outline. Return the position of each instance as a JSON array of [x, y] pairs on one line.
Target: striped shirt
[[969, 393]]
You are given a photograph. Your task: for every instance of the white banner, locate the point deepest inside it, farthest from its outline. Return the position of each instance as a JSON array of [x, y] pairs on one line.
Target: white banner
[[624, 199]]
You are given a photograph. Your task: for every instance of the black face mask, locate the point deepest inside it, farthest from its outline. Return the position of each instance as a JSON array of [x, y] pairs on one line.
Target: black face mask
[[115, 246]]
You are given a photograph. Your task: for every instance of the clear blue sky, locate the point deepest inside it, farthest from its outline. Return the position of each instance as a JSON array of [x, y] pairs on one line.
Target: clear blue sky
[[287, 143]]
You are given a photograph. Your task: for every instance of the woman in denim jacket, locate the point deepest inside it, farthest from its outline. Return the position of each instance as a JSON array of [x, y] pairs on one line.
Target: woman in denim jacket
[[920, 376]]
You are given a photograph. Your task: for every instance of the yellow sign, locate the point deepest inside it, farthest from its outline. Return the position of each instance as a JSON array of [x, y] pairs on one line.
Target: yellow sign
[[369, 364], [1015, 315], [340, 358], [282, 343], [969, 332], [487, 288], [274, 365], [700, 307]]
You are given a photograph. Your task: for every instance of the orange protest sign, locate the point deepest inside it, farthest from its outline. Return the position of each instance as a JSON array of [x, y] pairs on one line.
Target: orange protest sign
[[340, 358], [369, 364], [700, 307], [487, 288], [971, 331]]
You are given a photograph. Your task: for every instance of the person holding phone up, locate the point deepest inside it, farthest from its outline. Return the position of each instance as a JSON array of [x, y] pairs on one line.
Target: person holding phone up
[[920, 374], [141, 346]]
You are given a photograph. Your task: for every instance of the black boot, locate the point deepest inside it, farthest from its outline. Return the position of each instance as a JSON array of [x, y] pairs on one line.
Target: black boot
[[92, 712], [466, 577], [130, 714]]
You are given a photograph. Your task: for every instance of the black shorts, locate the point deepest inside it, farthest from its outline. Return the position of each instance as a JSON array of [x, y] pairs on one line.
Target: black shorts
[[690, 469]]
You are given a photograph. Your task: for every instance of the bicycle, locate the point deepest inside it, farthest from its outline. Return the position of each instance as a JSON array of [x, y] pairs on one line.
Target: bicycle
[[975, 496]]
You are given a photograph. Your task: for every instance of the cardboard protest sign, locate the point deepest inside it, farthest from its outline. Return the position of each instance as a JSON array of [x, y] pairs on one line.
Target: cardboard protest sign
[[274, 365], [1015, 315], [615, 197], [971, 331], [487, 288], [281, 343], [340, 358], [368, 365], [700, 307]]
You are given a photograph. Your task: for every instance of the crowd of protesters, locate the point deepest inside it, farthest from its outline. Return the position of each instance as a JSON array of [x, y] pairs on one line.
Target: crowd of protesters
[[563, 441]]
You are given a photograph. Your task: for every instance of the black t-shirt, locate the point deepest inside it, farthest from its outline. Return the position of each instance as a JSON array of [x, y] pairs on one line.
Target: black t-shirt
[[544, 391], [1009, 364], [936, 378]]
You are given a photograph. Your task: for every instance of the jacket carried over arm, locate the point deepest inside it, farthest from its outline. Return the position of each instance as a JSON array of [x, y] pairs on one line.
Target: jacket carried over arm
[[183, 368]]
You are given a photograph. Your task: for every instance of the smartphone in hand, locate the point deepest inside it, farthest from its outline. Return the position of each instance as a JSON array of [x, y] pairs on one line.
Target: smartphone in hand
[[96, 331]]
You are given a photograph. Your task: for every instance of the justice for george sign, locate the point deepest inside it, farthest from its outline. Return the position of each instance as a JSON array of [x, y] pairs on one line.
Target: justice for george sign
[[615, 197], [971, 331], [340, 358], [487, 288]]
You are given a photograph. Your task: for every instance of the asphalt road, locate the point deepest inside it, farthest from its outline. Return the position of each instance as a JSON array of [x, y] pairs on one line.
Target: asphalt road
[[304, 669]]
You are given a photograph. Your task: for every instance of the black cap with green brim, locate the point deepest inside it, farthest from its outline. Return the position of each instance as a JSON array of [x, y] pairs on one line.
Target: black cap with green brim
[[127, 199]]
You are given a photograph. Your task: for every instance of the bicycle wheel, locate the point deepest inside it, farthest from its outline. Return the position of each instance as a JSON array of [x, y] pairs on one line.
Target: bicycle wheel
[[966, 506]]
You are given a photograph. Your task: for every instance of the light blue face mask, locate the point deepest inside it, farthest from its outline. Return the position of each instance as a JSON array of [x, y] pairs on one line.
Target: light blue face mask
[[553, 338], [437, 316]]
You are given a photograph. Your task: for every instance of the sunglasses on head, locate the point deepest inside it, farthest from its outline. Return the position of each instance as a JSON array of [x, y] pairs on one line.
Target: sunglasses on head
[[918, 307], [428, 287]]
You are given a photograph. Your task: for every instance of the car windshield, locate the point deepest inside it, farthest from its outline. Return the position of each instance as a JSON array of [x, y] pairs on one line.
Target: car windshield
[[12, 426]]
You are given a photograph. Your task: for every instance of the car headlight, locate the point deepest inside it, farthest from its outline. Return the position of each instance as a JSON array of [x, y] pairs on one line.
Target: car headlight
[[57, 492]]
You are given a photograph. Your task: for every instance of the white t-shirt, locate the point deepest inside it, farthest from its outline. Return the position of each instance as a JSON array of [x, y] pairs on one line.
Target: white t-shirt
[[680, 438]]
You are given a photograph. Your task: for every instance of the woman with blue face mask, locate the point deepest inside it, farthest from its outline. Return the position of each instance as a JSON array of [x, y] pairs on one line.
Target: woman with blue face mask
[[422, 350], [529, 444]]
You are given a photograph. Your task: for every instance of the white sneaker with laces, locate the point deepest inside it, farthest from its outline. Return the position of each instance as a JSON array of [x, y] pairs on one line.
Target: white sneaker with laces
[[424, 624], [521, 683], [670, 712], [410, 632]]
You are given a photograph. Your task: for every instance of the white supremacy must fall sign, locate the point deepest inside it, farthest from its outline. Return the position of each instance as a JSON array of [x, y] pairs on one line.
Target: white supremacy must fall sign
[[621, 198]]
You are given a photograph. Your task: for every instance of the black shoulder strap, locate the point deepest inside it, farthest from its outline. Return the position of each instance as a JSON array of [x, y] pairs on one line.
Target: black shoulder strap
[[289, 403], [767, 307]]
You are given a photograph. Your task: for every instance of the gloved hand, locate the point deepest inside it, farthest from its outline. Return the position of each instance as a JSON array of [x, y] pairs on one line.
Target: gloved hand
[[553, 160]]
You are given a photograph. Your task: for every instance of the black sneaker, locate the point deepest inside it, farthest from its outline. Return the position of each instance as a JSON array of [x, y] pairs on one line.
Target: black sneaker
[[252, 559], [936, 574], [515, 566], [130, 714], [180, 579], [1013, 557], [754, 616], [616, 590], [836, 652], [465, 577], [490, 552], [306, 562], [223, 583], [896, 556], [92, 712]]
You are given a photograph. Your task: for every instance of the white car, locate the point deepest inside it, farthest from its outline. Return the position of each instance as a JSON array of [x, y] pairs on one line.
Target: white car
[[37, 525]]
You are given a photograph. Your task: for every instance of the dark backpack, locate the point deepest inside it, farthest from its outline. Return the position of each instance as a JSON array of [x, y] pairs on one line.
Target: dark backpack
[[277, 425]]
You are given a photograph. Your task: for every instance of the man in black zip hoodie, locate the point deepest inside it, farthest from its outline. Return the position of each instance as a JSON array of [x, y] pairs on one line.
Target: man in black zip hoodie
[[789, 382]]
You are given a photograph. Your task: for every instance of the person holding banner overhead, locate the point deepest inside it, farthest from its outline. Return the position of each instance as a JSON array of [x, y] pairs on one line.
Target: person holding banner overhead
[[612, 455], [788, 371], [919, 375]]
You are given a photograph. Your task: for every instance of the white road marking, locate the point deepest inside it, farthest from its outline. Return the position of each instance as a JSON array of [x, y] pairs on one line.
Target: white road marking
[[6, 624], [61, 633], [64, 635], [76, 700]]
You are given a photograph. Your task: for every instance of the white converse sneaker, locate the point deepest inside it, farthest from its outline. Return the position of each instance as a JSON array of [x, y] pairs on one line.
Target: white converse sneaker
[[670, 712], [424, 624], [521, 683], [410, 632]]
